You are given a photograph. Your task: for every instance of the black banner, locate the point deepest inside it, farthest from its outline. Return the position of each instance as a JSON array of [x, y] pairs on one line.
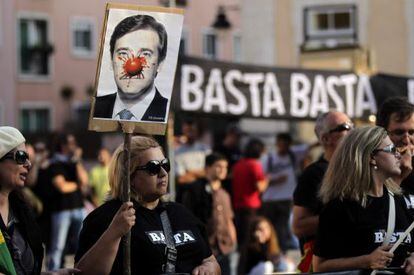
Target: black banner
[[222, 88]]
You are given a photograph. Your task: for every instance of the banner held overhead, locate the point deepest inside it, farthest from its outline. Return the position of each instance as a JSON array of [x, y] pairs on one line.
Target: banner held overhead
[[222, 88]]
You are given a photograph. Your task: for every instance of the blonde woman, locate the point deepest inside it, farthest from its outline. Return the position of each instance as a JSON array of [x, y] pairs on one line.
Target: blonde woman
[[99, 244], [353, 224]]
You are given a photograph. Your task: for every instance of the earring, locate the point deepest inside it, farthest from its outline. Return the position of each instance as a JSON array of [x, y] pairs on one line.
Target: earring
[[375, 167]]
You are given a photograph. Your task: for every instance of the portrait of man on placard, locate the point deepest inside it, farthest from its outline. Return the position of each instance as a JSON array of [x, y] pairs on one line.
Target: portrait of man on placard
[[129, 88]]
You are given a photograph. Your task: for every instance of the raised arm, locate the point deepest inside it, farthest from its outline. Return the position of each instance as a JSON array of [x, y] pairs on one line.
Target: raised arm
[[104, 251], [305, 223]]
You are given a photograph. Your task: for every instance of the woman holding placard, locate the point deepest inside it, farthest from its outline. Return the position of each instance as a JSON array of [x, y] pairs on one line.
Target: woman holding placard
[[165, 237]]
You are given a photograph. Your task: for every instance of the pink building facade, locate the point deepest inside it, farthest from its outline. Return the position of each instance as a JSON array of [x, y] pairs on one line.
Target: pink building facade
[[49, 50]]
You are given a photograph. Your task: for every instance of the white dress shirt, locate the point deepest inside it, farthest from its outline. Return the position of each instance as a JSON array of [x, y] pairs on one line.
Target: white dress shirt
[[138, 109]]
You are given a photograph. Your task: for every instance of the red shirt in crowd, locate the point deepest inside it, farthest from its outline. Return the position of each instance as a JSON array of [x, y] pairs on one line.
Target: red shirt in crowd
[[246, 173]]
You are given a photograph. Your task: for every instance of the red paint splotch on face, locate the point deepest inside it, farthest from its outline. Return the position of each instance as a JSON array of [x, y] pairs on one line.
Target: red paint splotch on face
[[134, 67]]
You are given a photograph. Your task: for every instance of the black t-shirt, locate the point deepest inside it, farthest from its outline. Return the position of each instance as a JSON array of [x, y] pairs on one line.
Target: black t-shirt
[[408, 184], [65, 201], [147, 239], [198, 200], [306, 192], [346, 229]]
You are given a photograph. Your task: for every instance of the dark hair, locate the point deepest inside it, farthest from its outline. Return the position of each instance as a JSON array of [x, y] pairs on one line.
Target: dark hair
[[284, 136], [61, 140], [254, 148], [394, 105], [213, 158], [253, 250], [141, 22]]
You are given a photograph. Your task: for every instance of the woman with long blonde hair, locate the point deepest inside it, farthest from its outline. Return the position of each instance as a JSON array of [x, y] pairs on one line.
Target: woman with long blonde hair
[[356, 192]]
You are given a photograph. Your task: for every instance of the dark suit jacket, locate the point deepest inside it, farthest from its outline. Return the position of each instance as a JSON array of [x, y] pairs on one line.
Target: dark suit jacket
[[104, 106]]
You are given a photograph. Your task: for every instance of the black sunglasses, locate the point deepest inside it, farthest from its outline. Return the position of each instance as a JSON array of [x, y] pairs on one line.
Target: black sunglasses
[[341, 127], [391, 149], [21, 157], [153, 167]]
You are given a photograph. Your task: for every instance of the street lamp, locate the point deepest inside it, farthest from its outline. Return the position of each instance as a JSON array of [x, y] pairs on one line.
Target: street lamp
[[221, 22]]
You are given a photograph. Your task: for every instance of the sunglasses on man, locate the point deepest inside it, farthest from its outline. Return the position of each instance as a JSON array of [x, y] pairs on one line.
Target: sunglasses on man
[[19, 156], [341, 127], [402, 132], [153, 167], [390, 149]]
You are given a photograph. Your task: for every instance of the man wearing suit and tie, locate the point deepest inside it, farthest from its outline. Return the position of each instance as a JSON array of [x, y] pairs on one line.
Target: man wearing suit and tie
[[138, 47]]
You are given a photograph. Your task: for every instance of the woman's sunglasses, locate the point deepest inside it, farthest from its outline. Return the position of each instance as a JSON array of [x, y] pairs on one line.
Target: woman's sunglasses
[[391, 149], [153, 167], [21, 157]]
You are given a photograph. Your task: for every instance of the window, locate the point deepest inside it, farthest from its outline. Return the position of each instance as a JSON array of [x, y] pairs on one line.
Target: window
[[35, 119], [237, 54], [330, 26], [210, 45], [34, 47], [83, 37]]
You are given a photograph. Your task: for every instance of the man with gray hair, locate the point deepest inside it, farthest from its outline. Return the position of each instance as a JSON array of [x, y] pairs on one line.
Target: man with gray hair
[[330, 127]]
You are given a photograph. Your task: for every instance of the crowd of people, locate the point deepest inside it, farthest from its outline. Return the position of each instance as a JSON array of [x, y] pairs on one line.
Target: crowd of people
[[349, 209]]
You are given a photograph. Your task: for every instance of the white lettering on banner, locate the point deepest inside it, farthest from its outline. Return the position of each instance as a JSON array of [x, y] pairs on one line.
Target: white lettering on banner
[[299, 93], [215, 95], [364, 89], [180, 238], [410, 88], [319, 100], [194, 88], [253, 79], [331, 82], [272, 98], [241, 107], [349, 81], [307, 97]]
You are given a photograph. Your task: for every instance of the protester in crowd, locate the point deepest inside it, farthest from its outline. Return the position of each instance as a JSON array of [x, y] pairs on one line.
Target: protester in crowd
[[69, 178], [32, 199], [209, 202], [330, 128], [281, 166], [249, 181], [230, 148], [357, 192], [262, 253], [43, 189], [23, 252], [98, 177], [189, 157], [396, 115], [144, 216]]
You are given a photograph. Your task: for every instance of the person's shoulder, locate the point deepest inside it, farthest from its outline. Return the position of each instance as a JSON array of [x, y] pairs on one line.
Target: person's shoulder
[[106, 97], [159, 96], [176, 209], [201, 146], [103, 213], [318, 166], [341, 207]]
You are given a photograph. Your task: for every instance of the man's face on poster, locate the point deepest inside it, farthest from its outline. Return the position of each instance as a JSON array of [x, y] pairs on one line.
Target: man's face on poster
[[135, 62]]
